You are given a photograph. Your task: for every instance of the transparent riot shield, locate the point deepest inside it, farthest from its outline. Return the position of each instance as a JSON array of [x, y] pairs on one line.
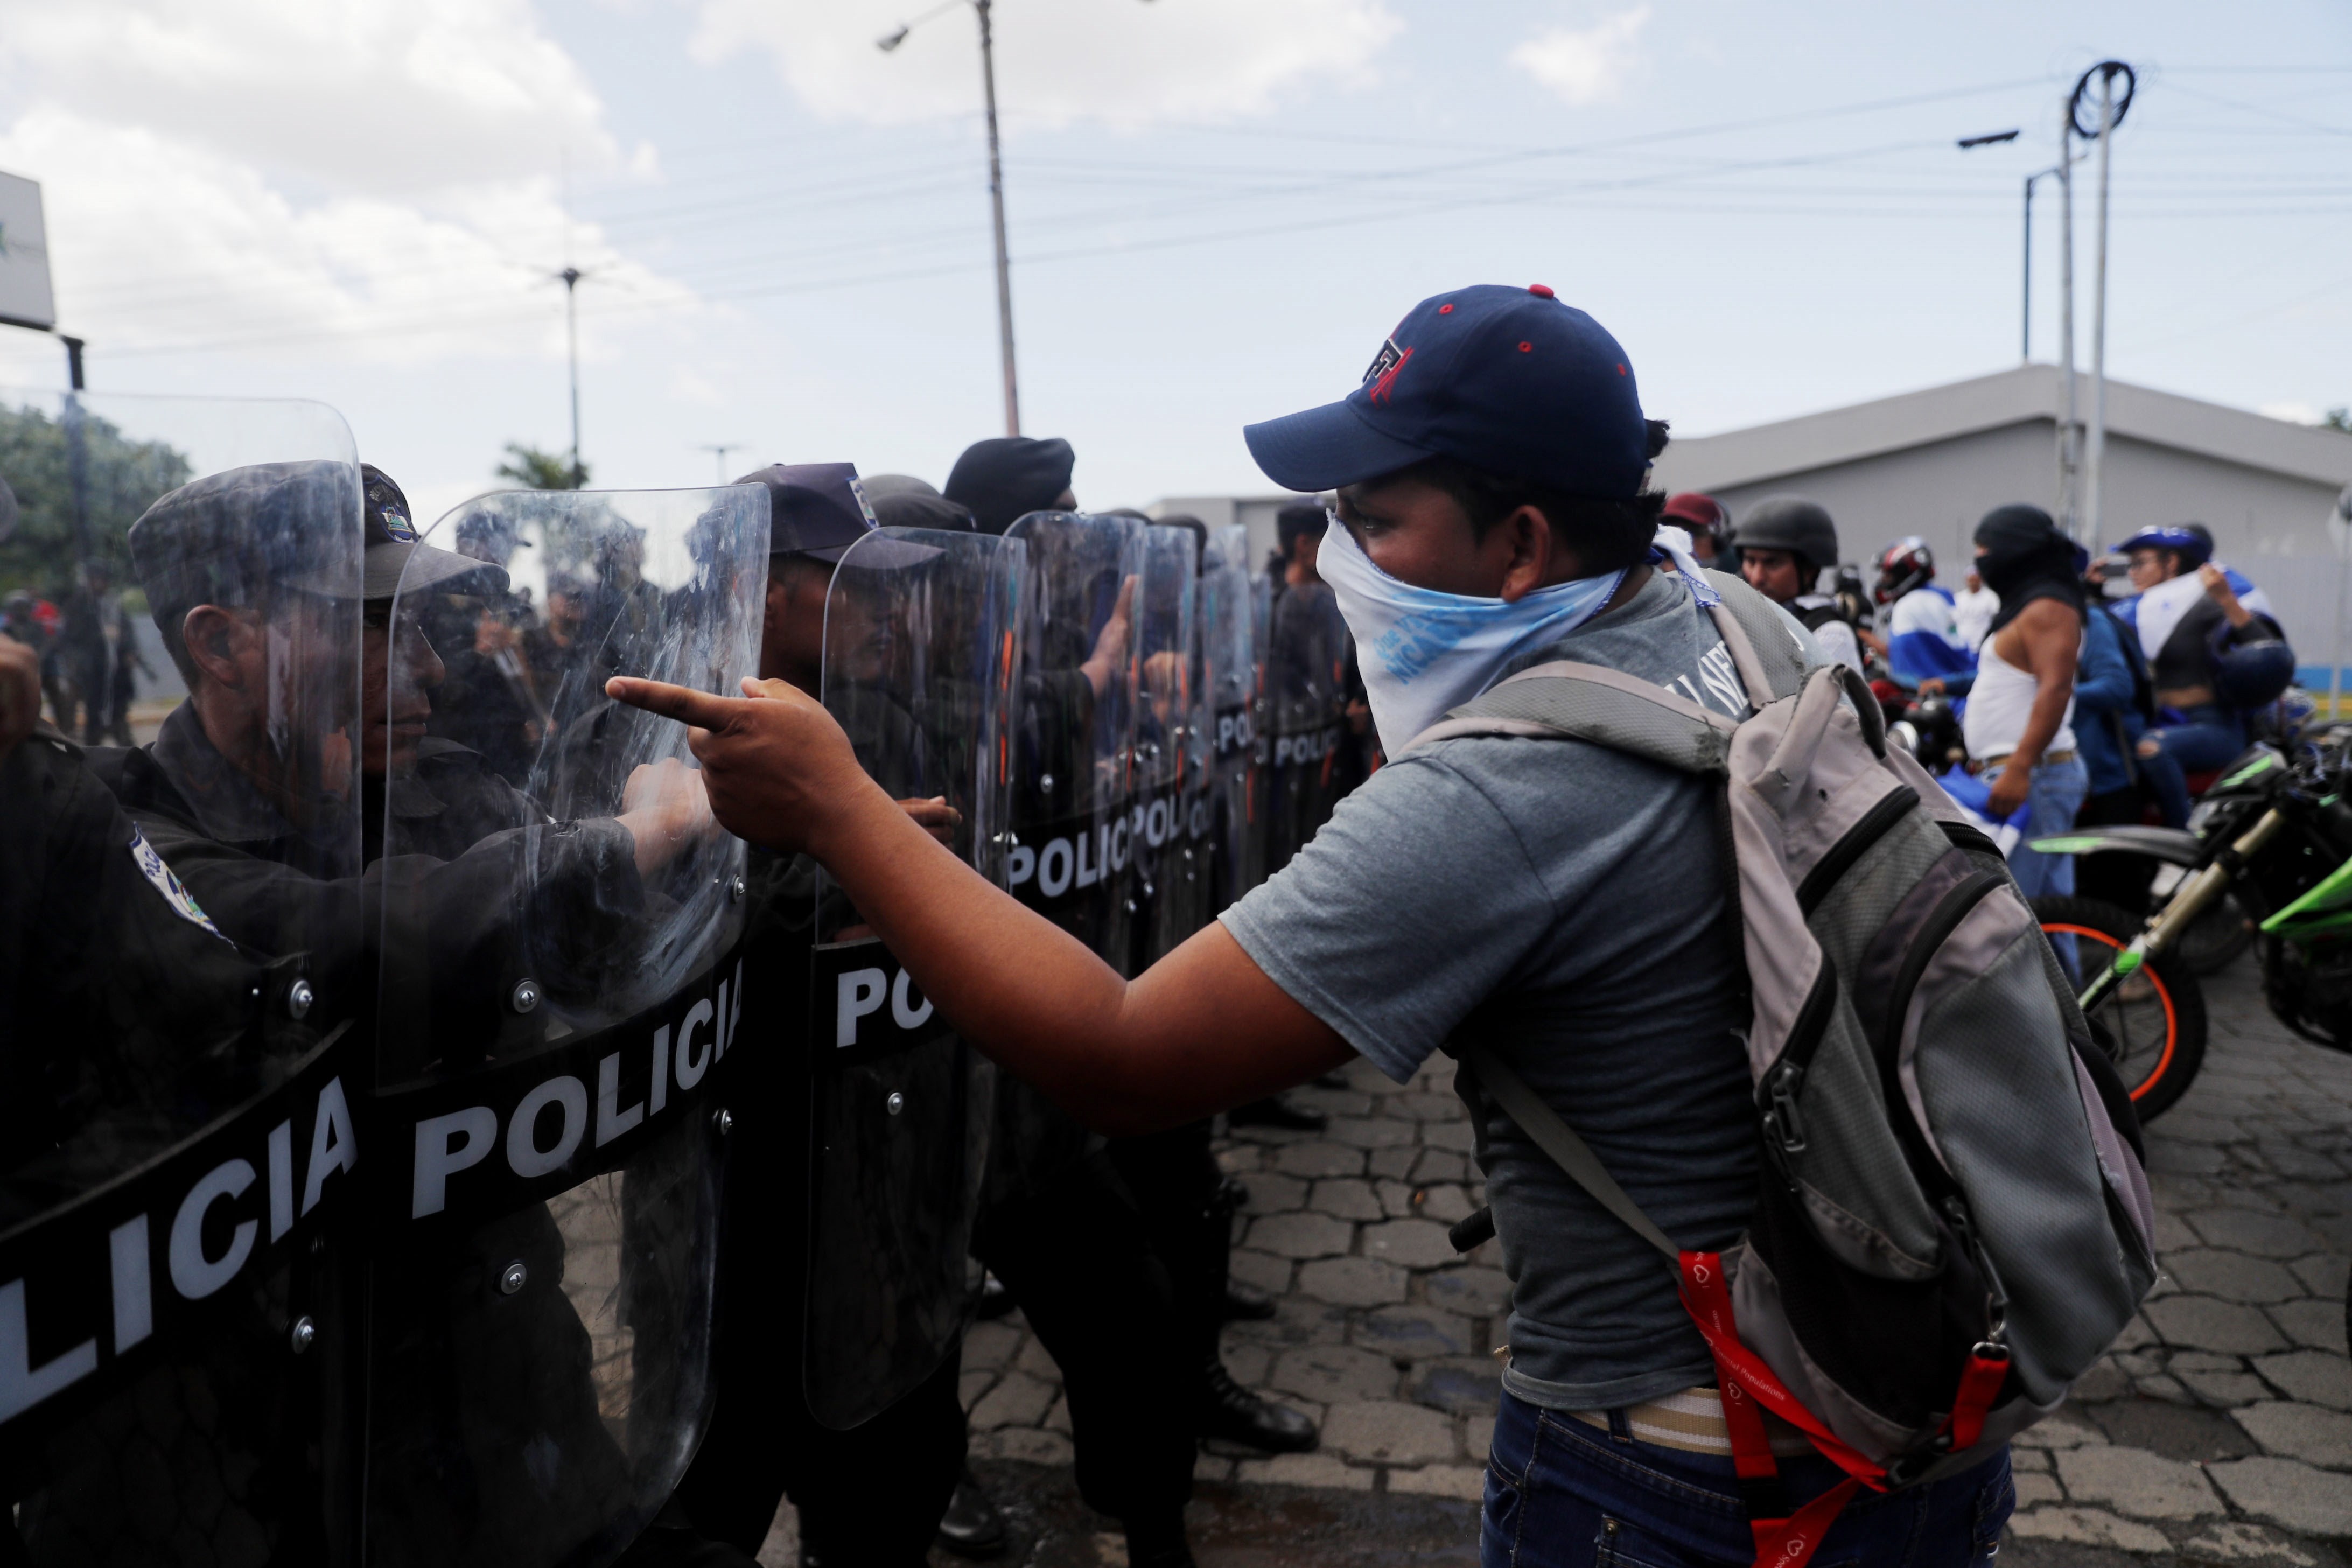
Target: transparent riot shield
[[1226, 612], [921, 634], [1165, 867], [1306, 698], [561, 987], [1069, 839], [181, 981]]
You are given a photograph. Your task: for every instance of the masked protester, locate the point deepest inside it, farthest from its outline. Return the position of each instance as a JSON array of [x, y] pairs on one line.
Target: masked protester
[[1005, 478], [1785, 543], [2019, 722], [1492, 516], [2211, 651]]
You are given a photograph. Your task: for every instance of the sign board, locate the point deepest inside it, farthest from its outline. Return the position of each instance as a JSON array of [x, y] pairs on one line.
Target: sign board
[[24, 297]]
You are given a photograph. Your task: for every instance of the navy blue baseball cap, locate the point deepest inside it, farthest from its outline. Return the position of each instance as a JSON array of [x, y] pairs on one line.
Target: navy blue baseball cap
[[1508, 381], [816, 509]]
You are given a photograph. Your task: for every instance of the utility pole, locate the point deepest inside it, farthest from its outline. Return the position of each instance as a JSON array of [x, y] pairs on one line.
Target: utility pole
[[2069, 521], [718, 449], [996, 204], [571, 277], [2111, 114]]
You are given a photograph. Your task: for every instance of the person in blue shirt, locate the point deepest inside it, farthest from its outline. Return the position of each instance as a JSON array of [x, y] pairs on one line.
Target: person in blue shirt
[[2113, 704], [1924, 652]]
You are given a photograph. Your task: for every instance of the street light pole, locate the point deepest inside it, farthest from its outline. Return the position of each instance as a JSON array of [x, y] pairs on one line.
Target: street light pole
[[718, 449], [572, 276], [2095, 461], [2067, 518], [996, 204]]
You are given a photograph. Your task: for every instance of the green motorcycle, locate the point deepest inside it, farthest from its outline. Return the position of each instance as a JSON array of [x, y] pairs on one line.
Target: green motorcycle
[[2274, 837]]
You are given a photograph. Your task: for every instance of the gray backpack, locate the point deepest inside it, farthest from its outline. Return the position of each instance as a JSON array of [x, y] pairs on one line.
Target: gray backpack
[[1952, 1223]]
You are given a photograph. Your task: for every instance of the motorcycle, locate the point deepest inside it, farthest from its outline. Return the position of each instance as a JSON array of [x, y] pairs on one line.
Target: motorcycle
[[2274, 837]]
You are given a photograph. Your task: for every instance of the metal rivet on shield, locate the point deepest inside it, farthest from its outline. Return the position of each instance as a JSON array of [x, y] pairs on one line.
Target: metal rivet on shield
[[895, 1103], [1045, 783], [512, 1277], [1148, 890], [735, 889], [298, 997], [526, 995], [724, 1122], [304, 1332]]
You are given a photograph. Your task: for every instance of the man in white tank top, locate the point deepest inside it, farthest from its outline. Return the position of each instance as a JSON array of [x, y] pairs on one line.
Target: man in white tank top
[[2019, 722]]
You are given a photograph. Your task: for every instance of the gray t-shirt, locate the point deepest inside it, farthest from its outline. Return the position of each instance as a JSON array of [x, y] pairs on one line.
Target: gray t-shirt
[[1566, 903]]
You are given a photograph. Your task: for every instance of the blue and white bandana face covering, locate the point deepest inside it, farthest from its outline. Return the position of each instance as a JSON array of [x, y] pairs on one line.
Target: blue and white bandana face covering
[[1424, 652]]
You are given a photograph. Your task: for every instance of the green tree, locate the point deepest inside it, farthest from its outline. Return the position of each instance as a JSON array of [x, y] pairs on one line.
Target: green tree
[[2339, 419], [537, 471], [121, 478]]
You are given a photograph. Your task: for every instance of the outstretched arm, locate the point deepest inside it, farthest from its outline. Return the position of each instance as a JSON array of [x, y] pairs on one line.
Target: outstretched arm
[[1202, 1029]]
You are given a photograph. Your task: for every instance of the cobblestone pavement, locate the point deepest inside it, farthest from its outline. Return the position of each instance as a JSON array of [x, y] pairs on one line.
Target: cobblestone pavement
[[2220, 1430]]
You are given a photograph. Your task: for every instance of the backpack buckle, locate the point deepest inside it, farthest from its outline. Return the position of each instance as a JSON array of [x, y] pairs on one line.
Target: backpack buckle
[[1781, 1118]]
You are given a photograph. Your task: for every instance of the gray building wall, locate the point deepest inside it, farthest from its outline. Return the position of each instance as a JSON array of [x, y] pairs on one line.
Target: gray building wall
[[1255, 512]]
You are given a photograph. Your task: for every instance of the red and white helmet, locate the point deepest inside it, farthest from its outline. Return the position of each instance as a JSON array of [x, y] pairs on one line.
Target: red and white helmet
[[1905, 565]]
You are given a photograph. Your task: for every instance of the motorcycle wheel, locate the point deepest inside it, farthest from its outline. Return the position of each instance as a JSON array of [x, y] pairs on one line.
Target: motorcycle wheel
[[2153, 1025]]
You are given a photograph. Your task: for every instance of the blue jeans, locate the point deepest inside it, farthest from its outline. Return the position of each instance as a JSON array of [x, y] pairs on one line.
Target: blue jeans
[[2209, 738], [1559, 1493], [2052, 799]]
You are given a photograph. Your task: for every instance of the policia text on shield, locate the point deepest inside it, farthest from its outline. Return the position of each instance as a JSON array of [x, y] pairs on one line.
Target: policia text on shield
[[1563, 903]]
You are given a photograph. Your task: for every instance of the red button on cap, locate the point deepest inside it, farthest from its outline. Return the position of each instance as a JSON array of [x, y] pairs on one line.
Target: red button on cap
[[1542, 289]]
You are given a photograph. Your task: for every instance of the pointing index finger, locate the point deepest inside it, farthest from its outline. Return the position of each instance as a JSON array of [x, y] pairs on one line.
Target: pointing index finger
[[683, 703]]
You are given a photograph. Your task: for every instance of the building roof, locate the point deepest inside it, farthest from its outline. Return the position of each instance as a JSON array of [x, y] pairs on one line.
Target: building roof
[[2027, 394]]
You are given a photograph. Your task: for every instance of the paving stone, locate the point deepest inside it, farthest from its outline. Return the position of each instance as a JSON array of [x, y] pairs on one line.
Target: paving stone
[[990, 1345], [1434, 1107], [2182, 1428], [2137, 1483], [1332, 1375], [2290, 1160], [1458, 1385], [2233, 1276], [2314, 1377], [1478, 1436], [1415, 1333], [2172, 1232], [2135, 1334], [1395, 1165], [1037, 1361], [1366, 1078], [2249, 1231], [971, 1384], [1249, 1364], [2060, 1432], [1320, 1158], [2165, 1387], [1058, 1419], [1438, 1166], [2186, 1159], [1030, 1444], [2287, 1492], [1240, 1159], [1448, 1135], [1346, 1197], [1272, 1193], [1271, 1136], [1387, 1432], [2193, 1128], [1020, 1400], [2224, 1388], [1474, 1292], [2323, 1274], [2310, 1433], [2023, 1459], [1262, 1270], [2033, 1490], [1207, 1467], [1312, 1235], [2089, 1527], [2104, 1381], [1465, 1482], [1446, 1202], [2319, 1324], [1414, 1243], [2231, 1542], [1332, 1101], [1370, 1132], [2202, 1322], [1352, 1281], [1304, 1470], [1396, 1198]]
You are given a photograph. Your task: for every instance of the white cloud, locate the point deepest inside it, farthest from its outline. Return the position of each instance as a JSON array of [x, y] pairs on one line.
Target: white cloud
[[1120, 62], [156, 242], [388, 95], [1586, 65]]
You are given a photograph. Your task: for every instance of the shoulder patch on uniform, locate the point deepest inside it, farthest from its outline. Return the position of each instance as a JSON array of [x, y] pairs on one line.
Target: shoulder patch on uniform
[[166, 882]]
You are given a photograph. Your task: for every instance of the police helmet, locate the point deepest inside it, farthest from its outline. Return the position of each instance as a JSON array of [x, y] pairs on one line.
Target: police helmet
[[1904, 565], [1792, 523]]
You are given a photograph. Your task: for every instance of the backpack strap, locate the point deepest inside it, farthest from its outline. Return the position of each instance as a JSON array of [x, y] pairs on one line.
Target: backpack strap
[[1556, 1138], [1592, 702], [1766, 657]]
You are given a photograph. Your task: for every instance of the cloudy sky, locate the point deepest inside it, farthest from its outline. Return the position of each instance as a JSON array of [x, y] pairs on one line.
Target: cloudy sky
[[1218, 208]]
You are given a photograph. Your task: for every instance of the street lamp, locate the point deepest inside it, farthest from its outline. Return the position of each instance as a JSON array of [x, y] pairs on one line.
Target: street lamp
[[2111, 115], [888, 43]]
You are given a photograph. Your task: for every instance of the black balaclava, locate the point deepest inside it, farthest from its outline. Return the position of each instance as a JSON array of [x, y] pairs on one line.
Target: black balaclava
[[2026, 558], [912, 509], [1005, 478]]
